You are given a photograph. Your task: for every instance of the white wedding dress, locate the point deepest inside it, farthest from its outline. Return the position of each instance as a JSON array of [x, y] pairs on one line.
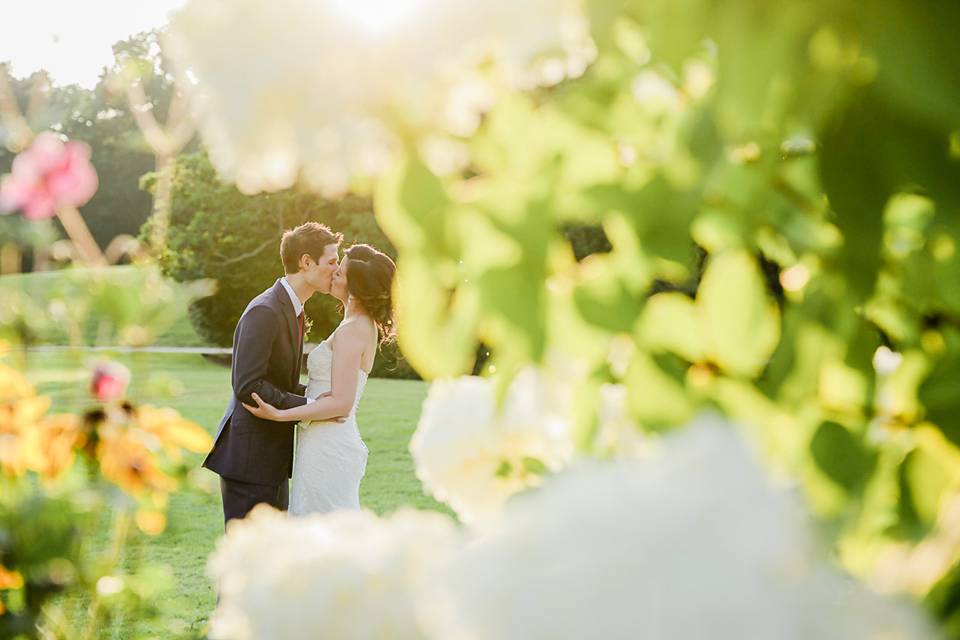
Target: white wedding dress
[[330, 457]]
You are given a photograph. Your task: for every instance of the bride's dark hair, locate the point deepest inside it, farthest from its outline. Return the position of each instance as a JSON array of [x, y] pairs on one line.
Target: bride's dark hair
[[370, 280]]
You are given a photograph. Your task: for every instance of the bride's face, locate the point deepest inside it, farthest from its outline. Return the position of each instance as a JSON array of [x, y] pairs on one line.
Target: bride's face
[[338, 285]]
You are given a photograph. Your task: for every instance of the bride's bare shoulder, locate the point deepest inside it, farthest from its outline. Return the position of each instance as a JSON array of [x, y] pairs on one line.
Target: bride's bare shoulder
[[358, 329]]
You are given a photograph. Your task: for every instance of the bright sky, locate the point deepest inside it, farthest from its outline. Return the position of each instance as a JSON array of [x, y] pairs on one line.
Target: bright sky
[[72, 38]]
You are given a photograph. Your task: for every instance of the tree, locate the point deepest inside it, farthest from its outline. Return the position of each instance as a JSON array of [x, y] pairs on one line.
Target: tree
[[101, 117], [219, 233]]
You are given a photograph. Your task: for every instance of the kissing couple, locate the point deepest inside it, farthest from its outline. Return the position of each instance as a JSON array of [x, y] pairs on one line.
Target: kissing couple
[[270, 409]]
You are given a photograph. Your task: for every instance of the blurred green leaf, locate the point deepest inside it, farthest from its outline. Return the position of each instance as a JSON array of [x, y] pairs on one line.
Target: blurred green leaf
[[657, 398], [740, 324], [918, 62], [843, 456], [922, 483], [603, 299], [411, 204], [670, 323], [437, 322], [938, 392]]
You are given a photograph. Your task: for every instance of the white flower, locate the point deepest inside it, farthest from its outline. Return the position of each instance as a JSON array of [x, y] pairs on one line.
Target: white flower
[[617, 433], [693, 544], [886, 361], [474, 457], [698, 78], [346, 574], [444, 155], [466, 102], [289, 89], [655, 93]]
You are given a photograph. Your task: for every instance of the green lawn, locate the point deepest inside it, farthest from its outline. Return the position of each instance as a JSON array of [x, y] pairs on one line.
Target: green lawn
[[387, 417]]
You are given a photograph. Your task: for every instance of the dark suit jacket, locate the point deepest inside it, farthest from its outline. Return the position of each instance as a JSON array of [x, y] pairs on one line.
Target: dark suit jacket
[[266, 359]]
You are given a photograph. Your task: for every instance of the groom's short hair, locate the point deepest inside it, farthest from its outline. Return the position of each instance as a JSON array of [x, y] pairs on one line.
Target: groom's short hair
[[310, 238]]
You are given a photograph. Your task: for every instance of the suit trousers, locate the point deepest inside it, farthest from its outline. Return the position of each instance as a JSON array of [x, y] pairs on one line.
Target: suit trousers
[[239, 498]]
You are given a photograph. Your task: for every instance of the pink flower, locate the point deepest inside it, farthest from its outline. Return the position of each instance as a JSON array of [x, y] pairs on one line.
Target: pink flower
[[48, 175], [109, 381]]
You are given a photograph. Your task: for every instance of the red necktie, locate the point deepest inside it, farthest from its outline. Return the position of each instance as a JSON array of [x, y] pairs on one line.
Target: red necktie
[[300, 322]]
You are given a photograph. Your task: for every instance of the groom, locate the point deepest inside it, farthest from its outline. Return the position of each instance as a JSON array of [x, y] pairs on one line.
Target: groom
[[254, 457]]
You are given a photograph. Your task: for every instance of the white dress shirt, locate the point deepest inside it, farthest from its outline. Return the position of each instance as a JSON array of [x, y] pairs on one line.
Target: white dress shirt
[[294, 298], [297, 306]]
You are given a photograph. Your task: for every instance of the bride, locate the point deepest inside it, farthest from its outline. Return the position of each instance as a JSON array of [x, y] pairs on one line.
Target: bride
[[331, 458]]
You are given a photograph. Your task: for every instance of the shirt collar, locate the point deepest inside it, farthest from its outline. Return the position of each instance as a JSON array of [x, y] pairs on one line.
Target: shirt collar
[[297, 305]]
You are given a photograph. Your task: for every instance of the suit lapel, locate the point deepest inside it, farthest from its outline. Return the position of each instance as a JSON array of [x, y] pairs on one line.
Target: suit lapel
[[288, 312]]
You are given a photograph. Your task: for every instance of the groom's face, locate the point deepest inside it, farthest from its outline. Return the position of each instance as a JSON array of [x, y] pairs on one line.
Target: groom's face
[[320, 274]]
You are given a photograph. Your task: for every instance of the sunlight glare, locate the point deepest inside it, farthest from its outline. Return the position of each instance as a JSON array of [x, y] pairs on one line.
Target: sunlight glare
[[376, 16], [71, 39]]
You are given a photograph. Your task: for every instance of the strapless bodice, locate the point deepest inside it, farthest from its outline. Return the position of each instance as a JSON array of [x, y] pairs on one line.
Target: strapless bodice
[[320, 372]]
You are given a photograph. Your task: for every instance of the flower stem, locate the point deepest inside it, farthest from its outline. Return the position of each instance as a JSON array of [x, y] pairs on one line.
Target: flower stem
[[121, 529], [77, 229]]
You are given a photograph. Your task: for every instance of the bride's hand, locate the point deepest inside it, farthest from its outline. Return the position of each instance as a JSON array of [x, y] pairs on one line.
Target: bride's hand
[[263, 409]]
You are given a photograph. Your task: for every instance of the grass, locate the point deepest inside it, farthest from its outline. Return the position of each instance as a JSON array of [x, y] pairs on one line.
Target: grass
[[97, 305], [387, 417]]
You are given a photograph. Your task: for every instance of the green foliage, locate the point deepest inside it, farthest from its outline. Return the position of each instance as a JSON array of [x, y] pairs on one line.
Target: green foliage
[[111, 465], [57, 522], [92, 307], [944, 602], [842, 456], [586, 239], [811, 152], [387, 417]]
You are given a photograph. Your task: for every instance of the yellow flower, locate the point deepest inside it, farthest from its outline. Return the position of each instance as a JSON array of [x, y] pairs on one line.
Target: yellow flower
[[13, 385], [126, 460], [28, 440], [19, 416], [173, 430], [151, 522], [20, 412], [10, 579], [130, 443], [49, 447]]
